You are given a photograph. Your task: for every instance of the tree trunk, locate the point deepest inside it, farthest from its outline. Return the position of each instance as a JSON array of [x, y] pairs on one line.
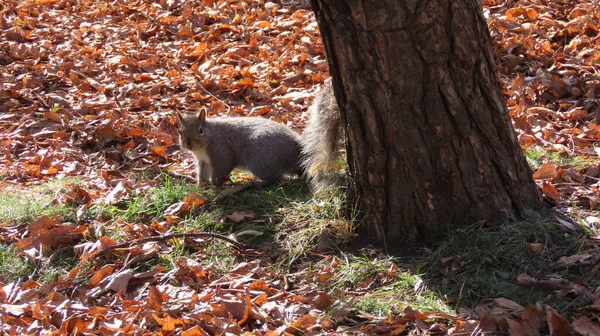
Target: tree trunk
[[430, 142]]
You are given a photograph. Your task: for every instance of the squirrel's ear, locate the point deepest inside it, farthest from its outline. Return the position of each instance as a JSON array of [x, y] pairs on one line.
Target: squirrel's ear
[[179, 120], [202, 115]]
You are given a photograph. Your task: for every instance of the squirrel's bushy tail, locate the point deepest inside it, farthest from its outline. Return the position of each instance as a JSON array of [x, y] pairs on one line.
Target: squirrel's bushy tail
[[321, 140]]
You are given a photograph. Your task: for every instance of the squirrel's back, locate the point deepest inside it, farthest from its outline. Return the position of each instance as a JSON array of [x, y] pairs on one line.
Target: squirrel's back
[[258, 142]]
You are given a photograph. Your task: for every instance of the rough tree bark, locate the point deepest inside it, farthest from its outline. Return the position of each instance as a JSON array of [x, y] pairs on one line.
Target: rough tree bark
[[430, 141]]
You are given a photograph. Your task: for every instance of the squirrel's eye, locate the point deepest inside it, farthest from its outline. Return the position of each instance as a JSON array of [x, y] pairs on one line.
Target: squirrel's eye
[[201, 131]]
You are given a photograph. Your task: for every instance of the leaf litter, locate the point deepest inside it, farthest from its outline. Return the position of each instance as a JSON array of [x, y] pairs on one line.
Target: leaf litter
[[89, 91]]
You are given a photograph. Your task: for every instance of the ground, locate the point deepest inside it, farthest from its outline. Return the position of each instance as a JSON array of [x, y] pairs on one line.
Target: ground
[[103, 231]]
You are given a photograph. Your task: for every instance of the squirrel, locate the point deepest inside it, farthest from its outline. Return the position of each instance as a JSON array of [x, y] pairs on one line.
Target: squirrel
[[322, 139], [267, 149]]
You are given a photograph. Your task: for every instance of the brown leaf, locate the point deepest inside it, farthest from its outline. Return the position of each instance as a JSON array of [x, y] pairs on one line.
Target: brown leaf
[[15, 310], [101, 274], [414, 314], [261, 299], [174, 209], [237, 309], [509, 304], [259, 285], [191, 201], [557, 324], [81, 211], [549, 191], [159, 150], [76, 196], [515, 328], [532, 320], [156, 299], [536, 247], [64, 235], [302, 324], [195, 331], [322, 301], [585, 326], [517, 83], [456, 264], [248, 310], [43, 223], [53, 116], [118, 193], [547, 171], [118, 282], [524, 279], [577, 259], [239, 216]]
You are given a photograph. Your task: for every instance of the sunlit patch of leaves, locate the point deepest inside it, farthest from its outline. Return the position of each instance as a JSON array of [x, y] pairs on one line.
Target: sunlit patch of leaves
[[537, 156]]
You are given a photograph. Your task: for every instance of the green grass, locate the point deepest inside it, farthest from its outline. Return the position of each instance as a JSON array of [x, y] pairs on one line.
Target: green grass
[[148, 205], [410, 291], [58, 267], [388, 292], [491, 259], [537, 156], [314, 225], [22, 206], [13, 266]]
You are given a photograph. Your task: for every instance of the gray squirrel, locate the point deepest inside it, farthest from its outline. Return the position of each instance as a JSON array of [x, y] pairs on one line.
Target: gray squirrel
[[269, 150]]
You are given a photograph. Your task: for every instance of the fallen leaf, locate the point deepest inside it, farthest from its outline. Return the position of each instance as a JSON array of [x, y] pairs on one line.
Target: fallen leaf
[[547, 171], [577, 259], [118, 193], [536, 247], [118, 282], [239, 216]]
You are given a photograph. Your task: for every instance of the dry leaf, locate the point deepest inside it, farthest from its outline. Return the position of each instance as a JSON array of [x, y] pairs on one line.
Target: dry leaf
[[239, 216], [547, 171], [557, 324], [584, 326]]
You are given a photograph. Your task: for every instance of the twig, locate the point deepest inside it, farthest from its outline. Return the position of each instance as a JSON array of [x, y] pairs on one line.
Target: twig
[[12, 292], [233, 243], [212, 95]]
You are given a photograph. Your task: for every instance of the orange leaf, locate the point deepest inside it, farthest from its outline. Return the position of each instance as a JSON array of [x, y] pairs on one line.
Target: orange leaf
[[549, 191], [547, 171], [193, 199], [536, 247], [159, 150], [102, 273], [302, 324], [194, 331], [323, 301], [261, 299], [156, 298], [516, 328]]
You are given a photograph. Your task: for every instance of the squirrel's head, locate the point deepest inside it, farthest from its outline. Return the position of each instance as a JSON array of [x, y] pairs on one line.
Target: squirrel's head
[[192, 130]]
